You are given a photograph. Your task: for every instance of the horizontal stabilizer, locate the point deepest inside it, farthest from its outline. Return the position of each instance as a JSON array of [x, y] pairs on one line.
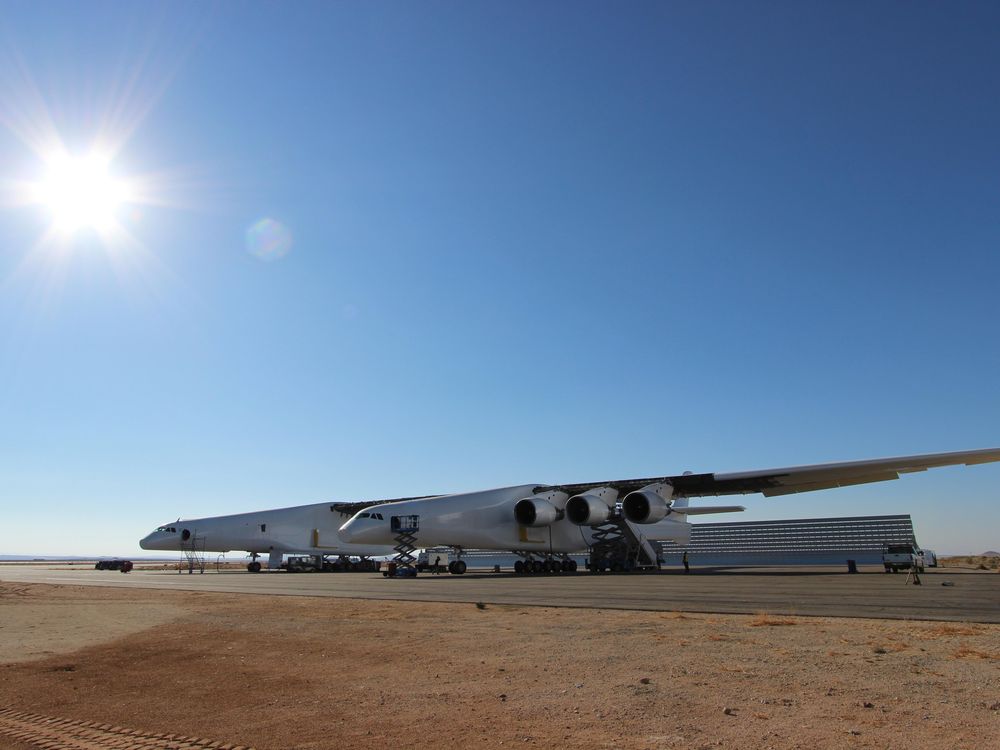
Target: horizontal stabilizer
[[689, 511]]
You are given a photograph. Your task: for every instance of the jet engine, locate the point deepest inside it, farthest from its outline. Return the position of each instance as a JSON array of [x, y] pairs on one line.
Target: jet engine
[[649, 504], [540, 510], [591, 507]]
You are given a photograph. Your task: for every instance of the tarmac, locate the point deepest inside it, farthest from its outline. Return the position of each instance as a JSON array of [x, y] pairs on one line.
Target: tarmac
[[944, 594]]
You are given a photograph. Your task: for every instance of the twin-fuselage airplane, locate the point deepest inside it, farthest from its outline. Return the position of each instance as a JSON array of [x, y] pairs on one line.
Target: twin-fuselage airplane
[[615, 522]]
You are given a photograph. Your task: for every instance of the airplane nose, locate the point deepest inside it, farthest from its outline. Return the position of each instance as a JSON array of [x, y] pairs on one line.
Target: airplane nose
[[358, 531], [347, 531], [152, 541]]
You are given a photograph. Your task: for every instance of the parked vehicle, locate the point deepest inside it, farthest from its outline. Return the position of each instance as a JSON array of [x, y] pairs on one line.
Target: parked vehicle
[[394, 570], [301, 564], [115, 564], [427, 558], [930, 558], [898, 557]]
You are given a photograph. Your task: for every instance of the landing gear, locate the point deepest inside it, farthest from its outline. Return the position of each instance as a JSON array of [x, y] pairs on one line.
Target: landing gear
[[253, 566], [551, 565]]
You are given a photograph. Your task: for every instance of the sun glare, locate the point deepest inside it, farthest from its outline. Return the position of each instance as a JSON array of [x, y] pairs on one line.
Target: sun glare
[[81, 192]]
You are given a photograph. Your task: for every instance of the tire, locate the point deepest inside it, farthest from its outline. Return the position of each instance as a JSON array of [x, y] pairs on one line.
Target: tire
[[254, 567], [572, 566], [519, 567], [537, 567], [460, 567]]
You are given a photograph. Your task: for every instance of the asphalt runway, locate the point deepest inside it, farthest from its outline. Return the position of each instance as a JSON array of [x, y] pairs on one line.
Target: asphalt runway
[[973, 596]]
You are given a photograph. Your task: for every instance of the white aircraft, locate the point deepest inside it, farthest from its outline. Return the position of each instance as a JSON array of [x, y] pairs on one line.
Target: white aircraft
[[302, 530], [612, 521]]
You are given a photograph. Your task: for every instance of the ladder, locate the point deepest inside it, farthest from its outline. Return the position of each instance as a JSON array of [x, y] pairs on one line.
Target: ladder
[[194, 554]]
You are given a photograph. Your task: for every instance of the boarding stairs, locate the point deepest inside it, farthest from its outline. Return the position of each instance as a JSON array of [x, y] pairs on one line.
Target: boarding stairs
[[194, 554], [618, 545]]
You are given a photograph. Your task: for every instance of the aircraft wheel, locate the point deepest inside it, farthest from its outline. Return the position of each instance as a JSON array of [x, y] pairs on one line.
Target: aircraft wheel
[[519, 567], [536, 566], [460, 567], [254, 567], [572, 566], [550, 566]]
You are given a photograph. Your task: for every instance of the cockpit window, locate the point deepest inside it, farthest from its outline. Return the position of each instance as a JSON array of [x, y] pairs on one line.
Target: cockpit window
[[364, 515], [377, 515], [171, 529]]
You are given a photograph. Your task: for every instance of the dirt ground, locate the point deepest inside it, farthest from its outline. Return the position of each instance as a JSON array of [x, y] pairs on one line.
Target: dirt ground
[[295, 672]]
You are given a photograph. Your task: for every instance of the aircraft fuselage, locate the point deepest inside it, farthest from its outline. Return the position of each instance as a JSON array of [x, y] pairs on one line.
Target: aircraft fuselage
[[484, 520], [304, 530]]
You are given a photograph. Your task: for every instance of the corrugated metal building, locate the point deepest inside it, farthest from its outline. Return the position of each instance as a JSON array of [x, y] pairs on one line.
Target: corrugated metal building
[[805, 541]]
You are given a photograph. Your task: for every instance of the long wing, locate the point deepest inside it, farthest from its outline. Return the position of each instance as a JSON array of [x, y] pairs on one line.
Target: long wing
[[793, 479]]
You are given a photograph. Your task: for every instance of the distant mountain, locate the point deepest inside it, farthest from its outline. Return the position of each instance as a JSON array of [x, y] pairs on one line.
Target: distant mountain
[[991, 553]]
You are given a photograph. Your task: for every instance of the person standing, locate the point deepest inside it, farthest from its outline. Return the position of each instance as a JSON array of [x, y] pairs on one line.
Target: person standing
[[687, 568]]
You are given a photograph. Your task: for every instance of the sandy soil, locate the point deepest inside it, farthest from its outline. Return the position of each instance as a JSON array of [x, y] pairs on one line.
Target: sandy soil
[[297, 672]]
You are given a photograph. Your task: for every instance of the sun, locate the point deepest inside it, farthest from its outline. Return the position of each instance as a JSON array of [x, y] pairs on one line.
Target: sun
[[81, 192]]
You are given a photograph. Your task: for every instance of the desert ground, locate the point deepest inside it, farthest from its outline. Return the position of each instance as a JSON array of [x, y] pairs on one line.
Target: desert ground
[[93, 667]]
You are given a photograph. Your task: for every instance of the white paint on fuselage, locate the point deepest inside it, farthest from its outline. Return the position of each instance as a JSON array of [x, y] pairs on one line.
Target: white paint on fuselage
[[303, 530], [485, 520]]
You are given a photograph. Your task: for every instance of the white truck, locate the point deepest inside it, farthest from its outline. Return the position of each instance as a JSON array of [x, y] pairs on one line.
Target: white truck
[[426, 559], [896, 557]]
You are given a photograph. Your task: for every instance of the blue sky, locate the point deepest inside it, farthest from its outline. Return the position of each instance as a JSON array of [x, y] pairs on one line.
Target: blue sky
[[549, 242]]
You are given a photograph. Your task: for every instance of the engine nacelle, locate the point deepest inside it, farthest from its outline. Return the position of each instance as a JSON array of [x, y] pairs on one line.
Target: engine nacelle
[[649, 504], [592, 507], [535, 512], [540, 510]]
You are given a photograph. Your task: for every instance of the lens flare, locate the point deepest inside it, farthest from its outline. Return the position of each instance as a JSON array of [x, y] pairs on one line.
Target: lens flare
[[269, 240]]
